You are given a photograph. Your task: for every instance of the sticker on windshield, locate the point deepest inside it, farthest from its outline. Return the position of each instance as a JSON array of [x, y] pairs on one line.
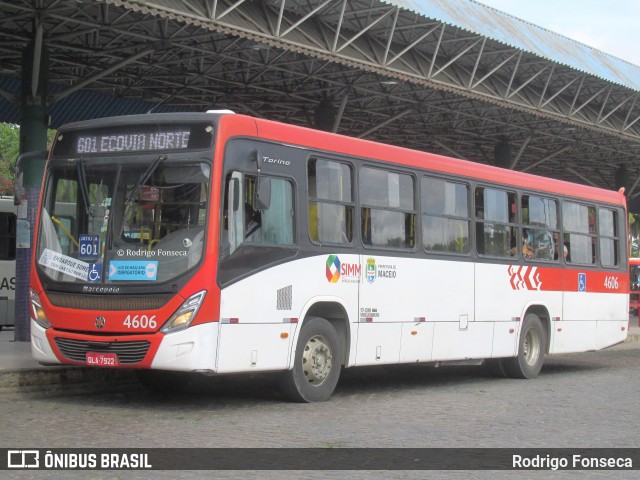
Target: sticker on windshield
[[89, 247], [139, 270], [95, 272], [149, 193], [65, 264]]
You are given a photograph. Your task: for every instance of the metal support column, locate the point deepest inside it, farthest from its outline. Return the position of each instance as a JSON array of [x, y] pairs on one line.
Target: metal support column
[[33, 137]]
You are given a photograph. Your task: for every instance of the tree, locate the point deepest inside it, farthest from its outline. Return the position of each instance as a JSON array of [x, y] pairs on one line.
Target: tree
[[9, 151], [634, 235]]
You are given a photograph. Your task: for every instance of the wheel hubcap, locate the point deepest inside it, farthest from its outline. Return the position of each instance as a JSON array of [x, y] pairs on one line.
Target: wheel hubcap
[[317, 360], [531, 347]]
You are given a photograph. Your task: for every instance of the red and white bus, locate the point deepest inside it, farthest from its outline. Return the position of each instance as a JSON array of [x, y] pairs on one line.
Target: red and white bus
[[221, 243]]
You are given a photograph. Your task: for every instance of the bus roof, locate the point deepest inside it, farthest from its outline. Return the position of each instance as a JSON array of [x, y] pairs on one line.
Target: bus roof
[[366, 149], [345, 145]]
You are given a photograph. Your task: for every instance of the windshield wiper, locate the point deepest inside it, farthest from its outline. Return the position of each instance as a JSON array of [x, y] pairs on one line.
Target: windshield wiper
[[109, 239], [144, 177], [141, 180], [84, 190]]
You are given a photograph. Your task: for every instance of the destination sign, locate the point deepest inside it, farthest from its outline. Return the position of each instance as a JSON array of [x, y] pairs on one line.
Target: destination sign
[[134, 138], [133, 142]]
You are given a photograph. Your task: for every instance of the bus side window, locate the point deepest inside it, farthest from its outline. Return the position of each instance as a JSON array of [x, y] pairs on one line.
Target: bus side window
[[331, 205], [445, 216], [387, 208], [247, 224], [540, 220], [608, 237], [496, 212], [579, 238]]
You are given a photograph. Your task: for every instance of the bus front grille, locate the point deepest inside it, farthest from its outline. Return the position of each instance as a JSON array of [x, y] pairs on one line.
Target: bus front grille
[[108, 302], [127, 352]]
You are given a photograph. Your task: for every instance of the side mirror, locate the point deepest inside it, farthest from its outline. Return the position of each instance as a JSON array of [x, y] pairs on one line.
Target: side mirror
[[18, 187], [29, 170], [234, 191], [262, 199], [262, 195], [235, 211]]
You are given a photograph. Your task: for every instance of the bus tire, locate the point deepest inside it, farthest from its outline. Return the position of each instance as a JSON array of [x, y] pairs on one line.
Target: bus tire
[[317, 363], [163, 381], [531, 350]]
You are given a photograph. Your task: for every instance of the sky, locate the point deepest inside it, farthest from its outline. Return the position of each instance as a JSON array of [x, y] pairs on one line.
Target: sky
[[612, 26]]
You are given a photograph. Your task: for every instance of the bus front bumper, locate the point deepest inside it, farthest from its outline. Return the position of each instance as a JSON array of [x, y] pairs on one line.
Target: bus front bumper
[[193, 349]]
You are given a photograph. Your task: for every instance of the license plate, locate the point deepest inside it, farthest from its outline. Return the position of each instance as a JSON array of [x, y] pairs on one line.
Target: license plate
[[96, 359]]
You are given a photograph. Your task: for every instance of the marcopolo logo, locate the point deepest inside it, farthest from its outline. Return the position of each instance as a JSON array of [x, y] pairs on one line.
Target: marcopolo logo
[[333, 268]]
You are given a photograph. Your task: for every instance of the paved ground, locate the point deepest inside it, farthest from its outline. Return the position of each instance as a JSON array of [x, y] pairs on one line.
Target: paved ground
[[580, 400], [17, 367]]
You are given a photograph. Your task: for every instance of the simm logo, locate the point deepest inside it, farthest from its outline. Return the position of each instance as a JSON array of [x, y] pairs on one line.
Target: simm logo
[[333, 268], [336, 270]]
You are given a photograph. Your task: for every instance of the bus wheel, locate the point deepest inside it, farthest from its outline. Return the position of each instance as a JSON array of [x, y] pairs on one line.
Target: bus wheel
[[531, 348], [317, 363], [163, 381]]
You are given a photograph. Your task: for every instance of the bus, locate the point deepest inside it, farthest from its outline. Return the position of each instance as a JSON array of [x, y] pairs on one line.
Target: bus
[[220, 243], [8, 224], [634, 285]]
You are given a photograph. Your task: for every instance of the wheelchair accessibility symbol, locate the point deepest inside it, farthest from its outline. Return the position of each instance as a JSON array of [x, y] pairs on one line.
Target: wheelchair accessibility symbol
[[582, 282], [95, 272]]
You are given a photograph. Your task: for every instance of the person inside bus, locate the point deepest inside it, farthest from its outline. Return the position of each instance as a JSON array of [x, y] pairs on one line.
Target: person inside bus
[[556, 245], [527, 249], [542, 243], [567, 248], [252, 220]]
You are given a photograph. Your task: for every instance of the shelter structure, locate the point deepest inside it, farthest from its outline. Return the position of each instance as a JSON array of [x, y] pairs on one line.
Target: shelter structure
[[450, 76]]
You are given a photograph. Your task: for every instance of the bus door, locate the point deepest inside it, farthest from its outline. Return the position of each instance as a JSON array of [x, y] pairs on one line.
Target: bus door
[[392, 323], [443, 285]]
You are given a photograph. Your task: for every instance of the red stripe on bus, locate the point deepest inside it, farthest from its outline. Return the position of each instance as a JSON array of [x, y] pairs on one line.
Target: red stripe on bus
[[548, 279]]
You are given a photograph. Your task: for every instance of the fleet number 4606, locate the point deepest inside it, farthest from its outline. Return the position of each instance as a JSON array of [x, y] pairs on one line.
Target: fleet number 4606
[[611, 283], [140, 321]]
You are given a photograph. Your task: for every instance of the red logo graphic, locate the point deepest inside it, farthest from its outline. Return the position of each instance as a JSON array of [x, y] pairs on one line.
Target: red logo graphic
[[524, 278]]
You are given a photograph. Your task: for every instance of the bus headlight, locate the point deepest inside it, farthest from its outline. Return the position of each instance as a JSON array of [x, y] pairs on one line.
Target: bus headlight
[[185, 314], [37, 313]]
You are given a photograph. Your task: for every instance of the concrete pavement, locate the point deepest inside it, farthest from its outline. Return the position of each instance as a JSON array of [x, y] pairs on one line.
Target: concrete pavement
[[19, 371]]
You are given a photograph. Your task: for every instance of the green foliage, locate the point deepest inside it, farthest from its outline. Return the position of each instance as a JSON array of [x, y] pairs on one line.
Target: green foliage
[[634, 235], [9, 151]]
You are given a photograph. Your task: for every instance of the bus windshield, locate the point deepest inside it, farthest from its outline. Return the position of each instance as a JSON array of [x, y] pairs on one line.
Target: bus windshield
[[123, 221]]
